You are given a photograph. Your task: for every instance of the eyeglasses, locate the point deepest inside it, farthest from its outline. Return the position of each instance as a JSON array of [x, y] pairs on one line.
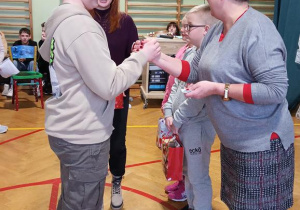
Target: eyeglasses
[[188, 27]]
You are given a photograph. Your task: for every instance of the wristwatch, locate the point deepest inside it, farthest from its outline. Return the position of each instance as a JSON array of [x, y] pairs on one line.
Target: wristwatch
[[226, 92]]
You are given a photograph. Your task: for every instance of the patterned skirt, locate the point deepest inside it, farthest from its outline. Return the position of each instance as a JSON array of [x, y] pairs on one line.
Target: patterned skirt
[[258, 180]]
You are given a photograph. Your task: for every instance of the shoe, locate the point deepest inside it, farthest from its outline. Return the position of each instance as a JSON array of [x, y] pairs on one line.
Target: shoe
[[38, 91], [10, 92], [5, 89], [3, 129], [174, 186], [116, 193], [178, 195]]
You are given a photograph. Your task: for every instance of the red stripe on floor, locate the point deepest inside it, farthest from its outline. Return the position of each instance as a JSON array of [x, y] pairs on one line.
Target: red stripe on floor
[[54, 195], [19, 137], [297, 137], [213, 151], [145, 163], [51, 181]]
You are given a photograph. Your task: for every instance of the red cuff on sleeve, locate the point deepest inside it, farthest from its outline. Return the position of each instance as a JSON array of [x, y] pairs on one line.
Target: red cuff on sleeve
[[247, 94], [274, 136], [185, 71]]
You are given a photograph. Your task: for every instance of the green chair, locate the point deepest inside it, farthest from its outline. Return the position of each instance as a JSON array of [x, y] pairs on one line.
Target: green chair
[[27, 78]]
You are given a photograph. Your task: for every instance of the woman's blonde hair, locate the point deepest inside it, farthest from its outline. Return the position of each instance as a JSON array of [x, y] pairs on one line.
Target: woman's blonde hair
[[4, 42]]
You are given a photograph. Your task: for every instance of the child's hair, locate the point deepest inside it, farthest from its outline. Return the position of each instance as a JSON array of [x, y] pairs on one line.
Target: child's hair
[[43, 25], [203, 12], [24, 30], [176, 26]]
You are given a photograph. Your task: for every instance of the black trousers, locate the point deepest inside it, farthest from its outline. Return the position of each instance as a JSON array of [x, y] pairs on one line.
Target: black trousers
[[118, 151]]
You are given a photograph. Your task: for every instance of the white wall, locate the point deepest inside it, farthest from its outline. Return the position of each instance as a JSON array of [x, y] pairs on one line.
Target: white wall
[[41, 10]]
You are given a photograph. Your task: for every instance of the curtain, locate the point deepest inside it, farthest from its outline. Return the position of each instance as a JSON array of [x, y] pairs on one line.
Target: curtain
[[287, 21]]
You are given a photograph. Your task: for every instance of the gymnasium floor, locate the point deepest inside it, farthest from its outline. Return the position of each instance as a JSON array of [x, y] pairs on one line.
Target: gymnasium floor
[[29, 170]]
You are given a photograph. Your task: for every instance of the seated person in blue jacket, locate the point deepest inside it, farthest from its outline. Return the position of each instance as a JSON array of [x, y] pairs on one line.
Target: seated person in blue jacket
[[24, 64]]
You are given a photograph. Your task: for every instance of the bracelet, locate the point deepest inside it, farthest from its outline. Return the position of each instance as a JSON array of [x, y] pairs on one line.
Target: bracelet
[[226, 92]]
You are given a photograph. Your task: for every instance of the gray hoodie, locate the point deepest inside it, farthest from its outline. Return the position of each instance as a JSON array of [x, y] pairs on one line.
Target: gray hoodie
[[88, 79]]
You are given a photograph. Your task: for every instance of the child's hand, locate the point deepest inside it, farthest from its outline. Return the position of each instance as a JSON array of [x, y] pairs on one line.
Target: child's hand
[[151, 49], [169, 122], [174, 129]]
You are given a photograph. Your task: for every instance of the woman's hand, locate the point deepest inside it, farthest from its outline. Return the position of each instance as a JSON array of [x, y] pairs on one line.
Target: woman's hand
[[202, 89]]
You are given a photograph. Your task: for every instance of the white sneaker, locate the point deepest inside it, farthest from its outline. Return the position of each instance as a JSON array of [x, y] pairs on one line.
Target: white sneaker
[[10, 92], [37, 90], [116, 193], [3, 129], [5, 89]]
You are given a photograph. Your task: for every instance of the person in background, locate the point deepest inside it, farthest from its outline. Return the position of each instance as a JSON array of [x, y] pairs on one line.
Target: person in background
[[240, 70], [79, 115], [23, 64], [188, 118], [6, 81], [173, 29], [121, 34], [3, 51], [44, 65]]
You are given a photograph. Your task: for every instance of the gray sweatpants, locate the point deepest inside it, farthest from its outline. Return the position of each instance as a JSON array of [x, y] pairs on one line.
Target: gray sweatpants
[[83, 171], [197, 139]]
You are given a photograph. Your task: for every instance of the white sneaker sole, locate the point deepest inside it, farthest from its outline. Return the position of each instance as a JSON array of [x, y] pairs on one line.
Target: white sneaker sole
[[116, 207], [178, 200]]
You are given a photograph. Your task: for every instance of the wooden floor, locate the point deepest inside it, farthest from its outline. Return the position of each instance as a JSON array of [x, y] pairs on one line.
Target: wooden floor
[[29, 170]]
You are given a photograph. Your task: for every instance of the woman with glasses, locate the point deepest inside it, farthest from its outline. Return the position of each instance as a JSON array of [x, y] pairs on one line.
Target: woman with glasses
[[240, 70]]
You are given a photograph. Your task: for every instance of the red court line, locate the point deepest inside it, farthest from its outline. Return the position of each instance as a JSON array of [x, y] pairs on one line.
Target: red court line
[[140, 164], [51, 181], [213, 151], [297, 137], [156, 161], [19, 137], [54, 195]]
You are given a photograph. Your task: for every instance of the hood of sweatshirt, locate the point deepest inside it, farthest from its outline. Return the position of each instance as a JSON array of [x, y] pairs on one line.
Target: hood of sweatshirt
[[62, 13]]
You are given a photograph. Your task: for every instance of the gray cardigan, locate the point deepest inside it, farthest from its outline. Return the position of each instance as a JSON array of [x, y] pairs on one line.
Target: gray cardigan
[[251, 52]]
